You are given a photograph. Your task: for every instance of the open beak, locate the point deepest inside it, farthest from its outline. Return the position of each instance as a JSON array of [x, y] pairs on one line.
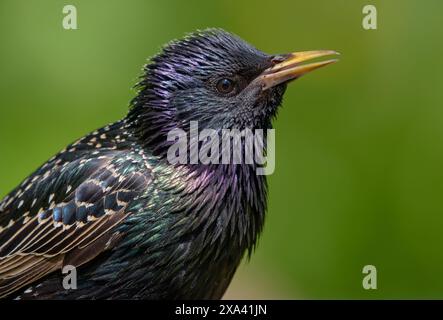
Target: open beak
[[291, 67]]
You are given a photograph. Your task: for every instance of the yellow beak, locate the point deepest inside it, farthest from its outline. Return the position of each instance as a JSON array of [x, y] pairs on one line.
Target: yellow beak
[[292, 68]]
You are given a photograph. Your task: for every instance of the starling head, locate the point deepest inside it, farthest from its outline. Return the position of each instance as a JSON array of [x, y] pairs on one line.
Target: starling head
[[217, 79]]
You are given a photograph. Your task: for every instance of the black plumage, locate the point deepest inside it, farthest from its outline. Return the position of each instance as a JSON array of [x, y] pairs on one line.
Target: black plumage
[[135, 225]]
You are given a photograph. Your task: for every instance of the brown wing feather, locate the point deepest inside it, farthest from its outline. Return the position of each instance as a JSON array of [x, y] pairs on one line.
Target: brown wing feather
[[39, 268], [35, 246], [18, 270]]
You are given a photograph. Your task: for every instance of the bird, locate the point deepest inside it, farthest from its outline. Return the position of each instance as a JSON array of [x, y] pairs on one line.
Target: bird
[[133, 224]]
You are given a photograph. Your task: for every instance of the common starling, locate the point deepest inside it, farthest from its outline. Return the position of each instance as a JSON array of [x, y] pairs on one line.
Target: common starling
[[135, 225]]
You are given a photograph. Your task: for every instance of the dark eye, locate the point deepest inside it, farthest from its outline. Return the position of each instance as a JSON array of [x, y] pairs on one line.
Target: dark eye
[[225, 85]]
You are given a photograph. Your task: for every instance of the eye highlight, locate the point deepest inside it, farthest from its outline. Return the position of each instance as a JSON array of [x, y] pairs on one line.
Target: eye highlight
[[225, 85]]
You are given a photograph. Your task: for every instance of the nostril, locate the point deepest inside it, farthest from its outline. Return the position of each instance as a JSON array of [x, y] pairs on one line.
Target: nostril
[[279, 58]]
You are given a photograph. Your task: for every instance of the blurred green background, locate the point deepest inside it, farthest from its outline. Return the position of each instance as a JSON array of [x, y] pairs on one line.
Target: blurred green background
[[359, 155]]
